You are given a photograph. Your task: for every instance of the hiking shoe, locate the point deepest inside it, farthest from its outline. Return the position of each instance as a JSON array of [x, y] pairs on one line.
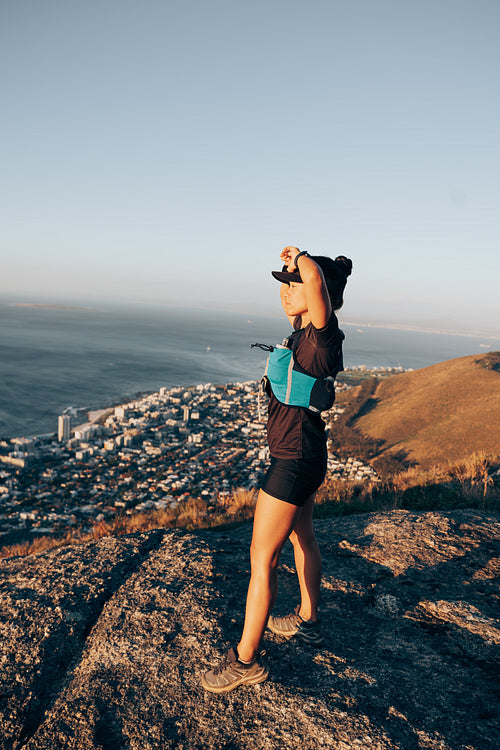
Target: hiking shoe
[[231, 673], [294, 626]]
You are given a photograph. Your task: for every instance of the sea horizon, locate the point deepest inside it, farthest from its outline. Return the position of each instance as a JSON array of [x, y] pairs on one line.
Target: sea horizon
[[100, 304]]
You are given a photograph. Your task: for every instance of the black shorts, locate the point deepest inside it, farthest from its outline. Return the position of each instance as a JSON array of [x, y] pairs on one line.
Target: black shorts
[[294, 480]]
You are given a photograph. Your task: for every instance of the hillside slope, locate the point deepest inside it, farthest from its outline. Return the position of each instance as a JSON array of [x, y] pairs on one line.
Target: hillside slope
[[438, 414], [102, 645]]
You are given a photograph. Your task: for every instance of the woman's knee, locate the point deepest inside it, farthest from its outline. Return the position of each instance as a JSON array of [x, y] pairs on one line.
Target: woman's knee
[[303, 537], [264, 559]]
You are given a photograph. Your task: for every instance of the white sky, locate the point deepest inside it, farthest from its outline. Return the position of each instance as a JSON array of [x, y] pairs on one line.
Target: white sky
[[166, 151]]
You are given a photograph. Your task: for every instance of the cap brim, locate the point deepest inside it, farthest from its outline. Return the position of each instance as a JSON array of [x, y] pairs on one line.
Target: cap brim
[[285, 277]]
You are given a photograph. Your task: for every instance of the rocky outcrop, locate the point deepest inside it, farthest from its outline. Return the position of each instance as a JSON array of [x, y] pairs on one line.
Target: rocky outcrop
[[101, 646]]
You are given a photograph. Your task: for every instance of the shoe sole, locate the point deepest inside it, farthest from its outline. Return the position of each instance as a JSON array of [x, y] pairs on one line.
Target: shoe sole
[[280, 631], [253, 679], [284, 633]]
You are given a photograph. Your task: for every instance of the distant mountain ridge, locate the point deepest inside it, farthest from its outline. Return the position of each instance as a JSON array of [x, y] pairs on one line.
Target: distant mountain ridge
[[438, 414]]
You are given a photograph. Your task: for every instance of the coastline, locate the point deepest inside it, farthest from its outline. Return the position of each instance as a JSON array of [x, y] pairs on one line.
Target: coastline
[[40, 306], [423, 329], [95, 414]]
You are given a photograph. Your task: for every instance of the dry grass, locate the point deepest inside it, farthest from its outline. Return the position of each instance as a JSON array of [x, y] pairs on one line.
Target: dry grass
[[191, 514], [468, 482], [465, 484]]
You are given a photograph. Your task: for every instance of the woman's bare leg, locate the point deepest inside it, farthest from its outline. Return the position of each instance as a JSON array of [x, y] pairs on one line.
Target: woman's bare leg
[[274, 519], [307, 561]]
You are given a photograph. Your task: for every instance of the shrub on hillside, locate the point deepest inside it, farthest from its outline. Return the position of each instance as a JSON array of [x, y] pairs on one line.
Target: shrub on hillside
[[390, 464]]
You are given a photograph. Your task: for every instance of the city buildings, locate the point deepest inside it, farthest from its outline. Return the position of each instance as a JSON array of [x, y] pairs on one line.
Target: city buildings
[[204, 441], [64, 428]]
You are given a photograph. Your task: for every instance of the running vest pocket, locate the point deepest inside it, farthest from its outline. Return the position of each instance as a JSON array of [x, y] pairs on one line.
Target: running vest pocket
[[293, 387]]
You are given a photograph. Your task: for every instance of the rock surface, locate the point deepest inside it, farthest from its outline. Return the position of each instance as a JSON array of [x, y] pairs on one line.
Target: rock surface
[[101, 646]]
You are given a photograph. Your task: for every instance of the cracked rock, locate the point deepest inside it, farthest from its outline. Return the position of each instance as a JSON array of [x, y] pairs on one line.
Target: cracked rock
[[102, 645]]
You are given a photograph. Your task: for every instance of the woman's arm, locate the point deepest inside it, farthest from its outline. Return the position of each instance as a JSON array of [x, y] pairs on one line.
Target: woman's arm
[[318, 299]]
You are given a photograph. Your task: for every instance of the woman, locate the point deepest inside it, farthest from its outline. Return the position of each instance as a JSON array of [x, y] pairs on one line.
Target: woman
[[311, 290]]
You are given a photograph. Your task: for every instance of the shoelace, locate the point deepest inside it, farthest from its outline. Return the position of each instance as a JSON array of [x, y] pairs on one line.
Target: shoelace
[[226, 661]]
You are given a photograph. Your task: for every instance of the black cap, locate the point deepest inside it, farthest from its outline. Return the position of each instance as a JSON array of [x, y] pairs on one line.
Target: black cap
[[335, 271]]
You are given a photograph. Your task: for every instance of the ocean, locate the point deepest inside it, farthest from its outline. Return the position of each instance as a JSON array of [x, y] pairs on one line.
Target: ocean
[[53, 358]]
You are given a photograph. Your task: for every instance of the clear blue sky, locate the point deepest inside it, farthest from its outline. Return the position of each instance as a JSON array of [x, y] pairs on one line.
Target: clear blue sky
[[167, 151]]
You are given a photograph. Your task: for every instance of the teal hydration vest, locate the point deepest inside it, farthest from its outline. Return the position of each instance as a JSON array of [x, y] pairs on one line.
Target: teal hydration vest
[[293, 386]]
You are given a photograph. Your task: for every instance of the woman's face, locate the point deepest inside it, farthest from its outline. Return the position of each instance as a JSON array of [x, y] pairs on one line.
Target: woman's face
[[293, 299]]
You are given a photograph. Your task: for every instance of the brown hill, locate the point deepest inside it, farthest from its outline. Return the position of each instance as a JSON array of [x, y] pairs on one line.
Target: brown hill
[[439, 414]]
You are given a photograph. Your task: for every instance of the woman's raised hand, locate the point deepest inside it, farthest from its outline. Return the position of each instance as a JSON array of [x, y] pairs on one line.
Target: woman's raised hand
[[288, 255]]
